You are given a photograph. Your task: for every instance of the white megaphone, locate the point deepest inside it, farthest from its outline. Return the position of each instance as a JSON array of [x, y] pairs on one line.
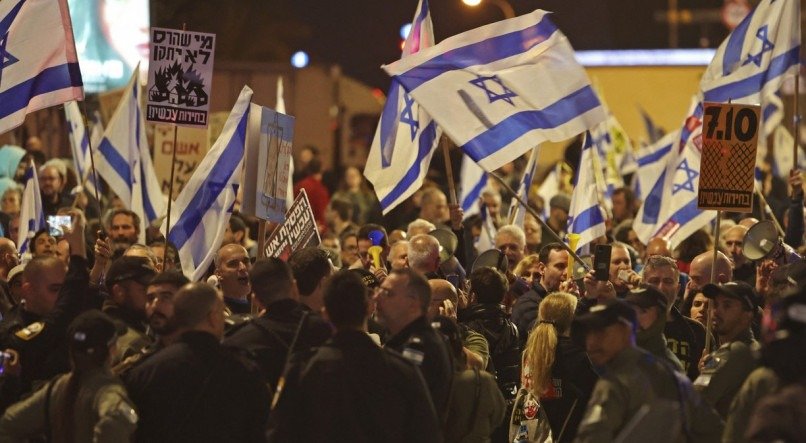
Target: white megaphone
[[763, 242]]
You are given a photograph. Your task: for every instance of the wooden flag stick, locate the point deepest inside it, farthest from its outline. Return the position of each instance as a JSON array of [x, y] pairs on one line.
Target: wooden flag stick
[[446, 152], [92, 160], [710, 315]]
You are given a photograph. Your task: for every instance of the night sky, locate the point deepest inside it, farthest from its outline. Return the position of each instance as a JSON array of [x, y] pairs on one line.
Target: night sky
[[361, 35]]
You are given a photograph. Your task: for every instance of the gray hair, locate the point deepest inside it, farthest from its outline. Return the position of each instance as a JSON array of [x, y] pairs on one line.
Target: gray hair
[[418, 224], [422, 248], [513, 231]]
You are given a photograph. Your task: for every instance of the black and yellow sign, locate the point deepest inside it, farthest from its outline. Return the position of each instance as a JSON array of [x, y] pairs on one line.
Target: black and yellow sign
[[730, 139]]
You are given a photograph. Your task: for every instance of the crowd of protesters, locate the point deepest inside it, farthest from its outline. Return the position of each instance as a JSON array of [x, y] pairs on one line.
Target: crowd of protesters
[[104, 339]]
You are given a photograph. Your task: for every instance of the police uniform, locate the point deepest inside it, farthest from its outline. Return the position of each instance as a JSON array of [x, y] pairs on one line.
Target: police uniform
[[725, 370], [40, 341], [635, 379], [419, 343], [351, 390]]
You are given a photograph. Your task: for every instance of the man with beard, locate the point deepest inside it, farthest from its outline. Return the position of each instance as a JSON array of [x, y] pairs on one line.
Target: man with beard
[[123, 229], [160, 311], [126, 282], [743, 269], [232, 266]]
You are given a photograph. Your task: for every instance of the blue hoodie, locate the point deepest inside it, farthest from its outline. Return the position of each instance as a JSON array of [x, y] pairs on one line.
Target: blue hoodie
[[10, 157]]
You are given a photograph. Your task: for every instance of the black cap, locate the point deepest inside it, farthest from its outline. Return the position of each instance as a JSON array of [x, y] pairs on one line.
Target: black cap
[[604, 315], [138, 269], [368, 278], [93, 330], [647, 297], [738, 290], [562, 201]]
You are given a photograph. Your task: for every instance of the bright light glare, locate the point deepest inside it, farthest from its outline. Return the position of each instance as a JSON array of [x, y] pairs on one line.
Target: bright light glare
[[404, 30], [471, 2], [300, 59]]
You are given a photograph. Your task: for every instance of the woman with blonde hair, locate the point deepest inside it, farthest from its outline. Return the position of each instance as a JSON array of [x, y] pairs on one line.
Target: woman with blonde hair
[[527, 268], [557, 371]]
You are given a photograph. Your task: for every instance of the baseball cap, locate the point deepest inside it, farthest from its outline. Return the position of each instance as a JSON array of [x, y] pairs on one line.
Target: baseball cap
[[130, 268], [561, 201], [604, 315], [737, 290], [647, 297], [368, 278], [93, 330]]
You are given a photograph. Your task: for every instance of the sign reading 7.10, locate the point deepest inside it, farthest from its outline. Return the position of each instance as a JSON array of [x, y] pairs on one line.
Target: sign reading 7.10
[[730, 139]]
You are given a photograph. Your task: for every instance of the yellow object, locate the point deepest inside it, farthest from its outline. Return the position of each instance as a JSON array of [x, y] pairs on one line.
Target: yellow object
[[375, 252], [573, 239]]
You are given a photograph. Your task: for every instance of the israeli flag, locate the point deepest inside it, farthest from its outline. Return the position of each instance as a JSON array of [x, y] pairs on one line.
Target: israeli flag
[[203, 208], [280, 107], [32, 217], [406, 136], [649, 182], [653, 131], [782, 155], [474, 179], [486, 240], [549, 188], [586, 216], [752, 61], [38, 61], [79, 144], [123, 159], [499, 90], [517, 210]]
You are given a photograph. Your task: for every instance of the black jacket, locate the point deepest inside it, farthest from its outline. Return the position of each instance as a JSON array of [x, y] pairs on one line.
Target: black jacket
[[493, 323], [353, 391], [195, 390], [266, 339], [421, 344], [524, 311]]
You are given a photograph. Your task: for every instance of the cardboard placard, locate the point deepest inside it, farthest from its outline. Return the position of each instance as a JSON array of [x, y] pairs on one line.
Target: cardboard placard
[[297, 232], [730, 141], [192, 146], [180, 77]]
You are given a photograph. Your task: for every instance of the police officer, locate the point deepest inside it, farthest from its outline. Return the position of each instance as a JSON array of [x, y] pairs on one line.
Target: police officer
[[724, 370], [126, 281], [402, 303], [650, 311], [350, 389], [632, 379], [89, 403], [52, 297]]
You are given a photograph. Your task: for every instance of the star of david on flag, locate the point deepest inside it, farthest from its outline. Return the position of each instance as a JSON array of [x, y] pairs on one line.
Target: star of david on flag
[[406, 135], [31, 80], [752, 62], [468, 83], [690, 176]]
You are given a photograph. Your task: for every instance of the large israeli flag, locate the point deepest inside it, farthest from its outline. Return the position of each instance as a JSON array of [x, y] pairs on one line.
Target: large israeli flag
[[752, 61], [406, 136], [202, 210], [499, 90], [649, 182], [38, 61], [473, 181], [32, 217], [80, 142], [586, 216], [549, 188], [123, 159], [517, 210]]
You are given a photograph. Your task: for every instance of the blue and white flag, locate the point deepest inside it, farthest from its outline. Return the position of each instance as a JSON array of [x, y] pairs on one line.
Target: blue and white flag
[[474, 179], [653, 131], [280, 107], [649, 182], [586, 216], [486, 240], [782, 161], [123, 159], [499, 90], [32, 216], [202, 210], [549, 188], [517, 210], [406, 136], [38, 61], [79, 144], [752, 61]]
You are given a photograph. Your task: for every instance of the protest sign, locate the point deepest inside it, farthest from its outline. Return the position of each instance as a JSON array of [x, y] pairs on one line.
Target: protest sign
[[268, 164], [191, 147], [180, 77], [297, 232], [730, 140]]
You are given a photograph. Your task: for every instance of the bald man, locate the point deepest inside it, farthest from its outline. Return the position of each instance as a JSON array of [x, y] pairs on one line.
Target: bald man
[[8, 257], [398, 255], [423, 255], [445, 298], [748, 222], [743, 269], [232, 267], [700, 272], [658, 246]]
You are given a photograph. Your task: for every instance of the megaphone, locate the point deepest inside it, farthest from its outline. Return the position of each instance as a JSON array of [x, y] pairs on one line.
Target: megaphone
[[763, 242], [447, 243], [376, 237], [492, 258]]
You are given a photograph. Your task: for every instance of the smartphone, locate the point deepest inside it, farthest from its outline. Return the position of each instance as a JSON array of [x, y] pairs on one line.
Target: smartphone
[[56, 222], [601, 262]]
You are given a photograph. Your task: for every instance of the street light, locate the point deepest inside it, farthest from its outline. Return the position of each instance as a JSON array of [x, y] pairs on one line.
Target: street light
[[503, 5]]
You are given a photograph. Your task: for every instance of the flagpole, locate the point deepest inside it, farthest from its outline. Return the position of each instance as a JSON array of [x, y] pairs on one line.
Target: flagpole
[[513, 214], [544, 226], [796, 122], [171, 184], [766, 208], [709, 317], [92, 160], [449, 170]]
